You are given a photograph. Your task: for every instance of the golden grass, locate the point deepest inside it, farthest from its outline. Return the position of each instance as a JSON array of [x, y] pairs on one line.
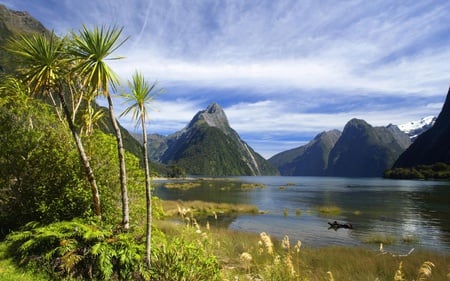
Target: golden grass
[[377, 238], [252, 185], [243, 254], [329, 210], [182, 185], [202, 208]]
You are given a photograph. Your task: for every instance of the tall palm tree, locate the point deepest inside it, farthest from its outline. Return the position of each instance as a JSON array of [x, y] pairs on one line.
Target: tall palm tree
[[142, 93], [45, 68], [91, 49]]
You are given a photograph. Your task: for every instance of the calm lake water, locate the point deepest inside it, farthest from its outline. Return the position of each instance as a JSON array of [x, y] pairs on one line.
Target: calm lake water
[[415, 213]]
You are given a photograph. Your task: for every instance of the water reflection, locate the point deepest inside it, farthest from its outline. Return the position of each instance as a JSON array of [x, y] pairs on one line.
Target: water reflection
[[415, 213]]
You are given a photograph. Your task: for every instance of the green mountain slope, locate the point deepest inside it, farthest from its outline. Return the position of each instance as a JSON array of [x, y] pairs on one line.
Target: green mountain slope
[[209, 146]]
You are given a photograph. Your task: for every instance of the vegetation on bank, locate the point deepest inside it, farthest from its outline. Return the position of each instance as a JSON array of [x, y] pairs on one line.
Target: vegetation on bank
[[437, 171], [197, 251]]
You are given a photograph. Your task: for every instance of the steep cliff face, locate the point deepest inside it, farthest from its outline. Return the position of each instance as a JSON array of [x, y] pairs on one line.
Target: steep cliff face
[[366, 151], [307, 160], [12, 23], [18, 21], [209, 146], [433, 145]]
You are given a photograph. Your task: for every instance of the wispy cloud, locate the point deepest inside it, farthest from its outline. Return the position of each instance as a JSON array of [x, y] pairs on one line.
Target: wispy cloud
[[282, 70]]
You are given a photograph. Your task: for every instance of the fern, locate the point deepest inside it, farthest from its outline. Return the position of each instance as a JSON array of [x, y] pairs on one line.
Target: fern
[[79, 249]]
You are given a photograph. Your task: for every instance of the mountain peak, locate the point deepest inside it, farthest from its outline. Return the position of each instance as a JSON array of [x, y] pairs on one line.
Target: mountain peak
[[213, 116]]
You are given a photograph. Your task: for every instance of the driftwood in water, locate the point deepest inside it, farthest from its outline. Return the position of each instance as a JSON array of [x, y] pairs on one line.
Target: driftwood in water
[[335, 225]]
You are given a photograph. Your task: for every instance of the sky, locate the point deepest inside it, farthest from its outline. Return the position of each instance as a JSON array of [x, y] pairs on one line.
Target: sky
[[283, 71]]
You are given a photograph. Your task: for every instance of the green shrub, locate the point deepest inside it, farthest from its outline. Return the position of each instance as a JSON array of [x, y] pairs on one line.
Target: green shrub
[[78, 249], [179, 259]]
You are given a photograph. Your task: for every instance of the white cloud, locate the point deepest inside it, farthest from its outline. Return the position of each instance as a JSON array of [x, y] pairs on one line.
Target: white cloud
[[284, 59]]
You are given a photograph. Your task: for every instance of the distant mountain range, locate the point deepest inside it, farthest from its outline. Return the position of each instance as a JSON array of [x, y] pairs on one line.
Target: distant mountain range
[[307, 160], [359, 151]]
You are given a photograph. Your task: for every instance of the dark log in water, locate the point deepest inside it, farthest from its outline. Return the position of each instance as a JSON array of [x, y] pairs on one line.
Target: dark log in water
[[335, 225]]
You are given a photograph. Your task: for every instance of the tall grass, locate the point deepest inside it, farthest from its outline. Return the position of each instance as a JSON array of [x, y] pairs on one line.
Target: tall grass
[[245, 256]]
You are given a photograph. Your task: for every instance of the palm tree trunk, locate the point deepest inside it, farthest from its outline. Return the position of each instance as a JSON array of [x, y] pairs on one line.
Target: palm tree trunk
[[84, 159], [123, 173], [148, 195]]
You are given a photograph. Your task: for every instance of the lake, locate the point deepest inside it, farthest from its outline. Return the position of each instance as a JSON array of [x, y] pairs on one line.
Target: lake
[[414, 213]]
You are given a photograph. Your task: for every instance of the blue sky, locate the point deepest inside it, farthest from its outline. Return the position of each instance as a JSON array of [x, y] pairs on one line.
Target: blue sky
[[283, 70]]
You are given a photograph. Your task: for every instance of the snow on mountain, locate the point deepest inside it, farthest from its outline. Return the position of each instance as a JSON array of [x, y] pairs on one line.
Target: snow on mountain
[[415, 128]]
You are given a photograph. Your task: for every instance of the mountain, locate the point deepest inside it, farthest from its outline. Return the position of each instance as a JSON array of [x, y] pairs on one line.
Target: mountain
[[209, 146], [307, 160], [432, 146], [366, 151], [414, 128]]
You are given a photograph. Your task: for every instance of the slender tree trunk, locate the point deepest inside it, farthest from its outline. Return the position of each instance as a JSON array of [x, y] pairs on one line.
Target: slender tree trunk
[[84, 158], [123, 173], [148, 195]]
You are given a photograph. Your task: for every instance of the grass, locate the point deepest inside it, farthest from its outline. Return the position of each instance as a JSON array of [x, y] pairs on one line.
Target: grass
[[345, 263], [182, 185], [199, 208], [289, 260], [329, 210], [377, 238], [10, 271]]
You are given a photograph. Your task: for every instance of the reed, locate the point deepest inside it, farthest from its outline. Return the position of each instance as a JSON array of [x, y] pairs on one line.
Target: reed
[[377, 238], [329, 210]]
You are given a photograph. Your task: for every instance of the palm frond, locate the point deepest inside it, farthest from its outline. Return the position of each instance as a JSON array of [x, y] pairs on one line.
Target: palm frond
[[91, 49], [142, 93], [42, 59]]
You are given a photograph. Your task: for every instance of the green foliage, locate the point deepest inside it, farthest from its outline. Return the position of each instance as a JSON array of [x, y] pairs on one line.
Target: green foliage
[[179, 259], [435, 171], [40, 175], [78, 249], [175, 171]]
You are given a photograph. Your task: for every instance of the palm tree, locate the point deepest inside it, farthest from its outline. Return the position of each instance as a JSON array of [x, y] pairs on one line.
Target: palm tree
[[46, 70], [91, 49], [142, 93]]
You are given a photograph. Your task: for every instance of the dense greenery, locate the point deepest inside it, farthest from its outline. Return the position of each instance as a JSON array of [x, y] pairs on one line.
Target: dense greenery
[[435, 171], [40, 175]]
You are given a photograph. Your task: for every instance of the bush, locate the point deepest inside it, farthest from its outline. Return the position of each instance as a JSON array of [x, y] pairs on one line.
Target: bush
[[40, 174], [182, 260], [78, 249]]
